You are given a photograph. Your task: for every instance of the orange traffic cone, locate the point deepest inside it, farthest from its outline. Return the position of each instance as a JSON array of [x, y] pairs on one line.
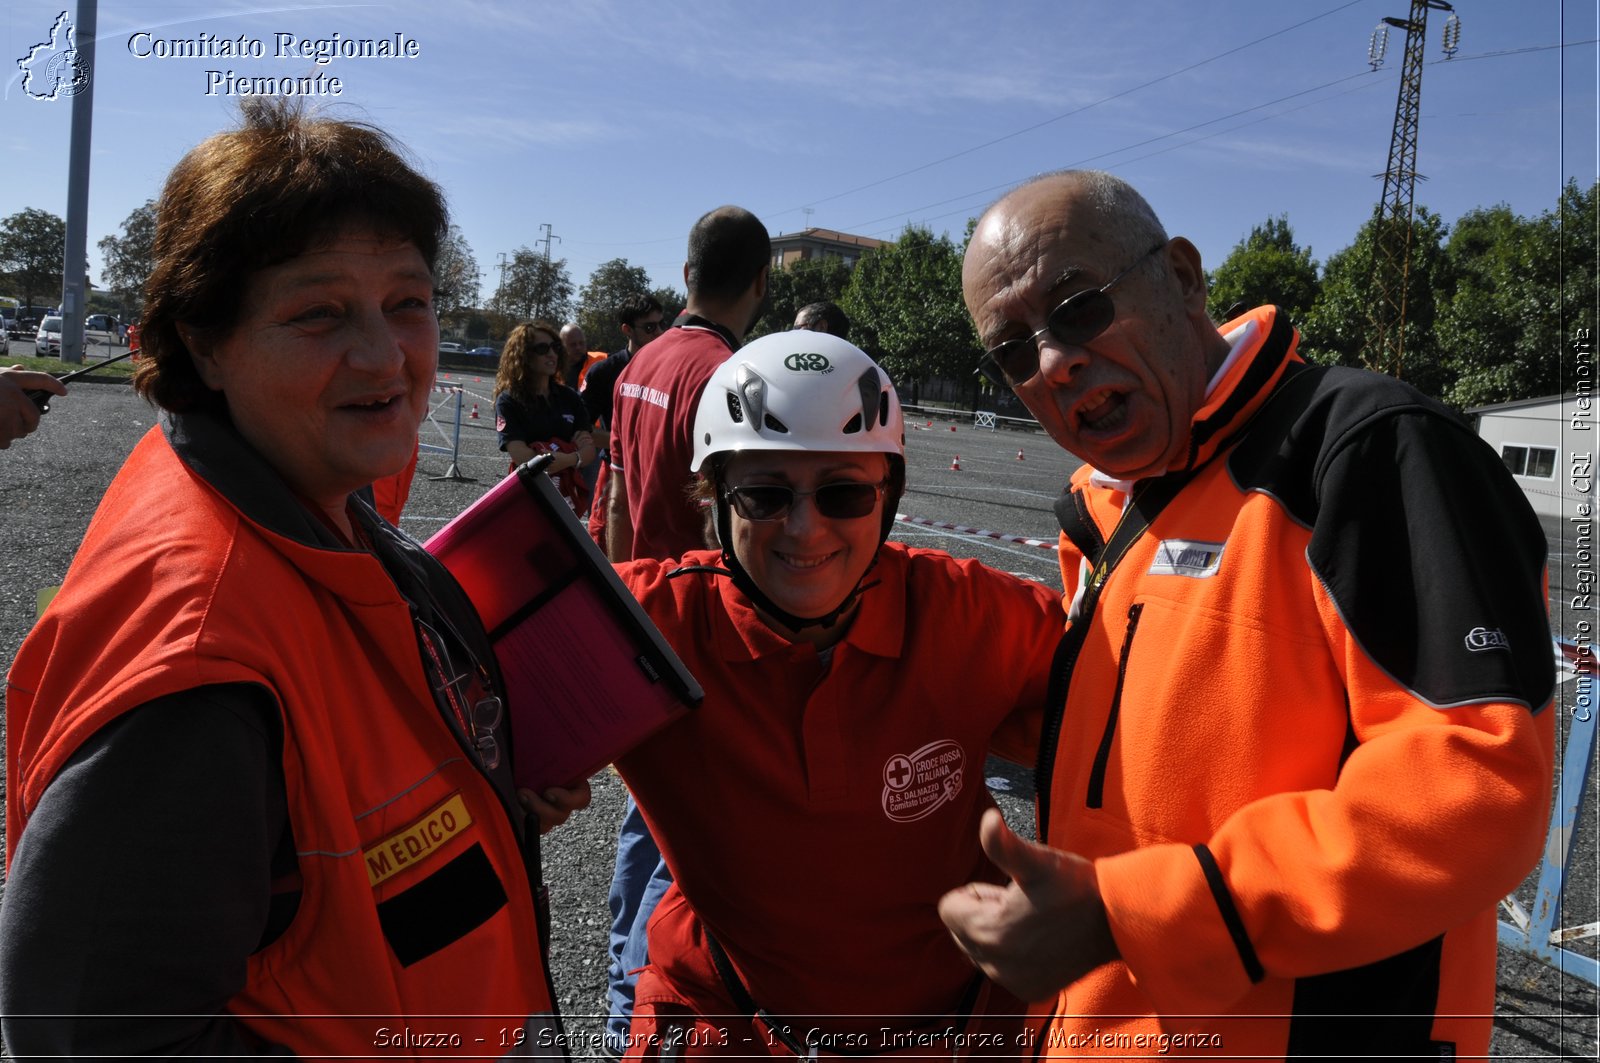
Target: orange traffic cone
[[1019, 454], [955, 463], [952, 428], [474, 411]]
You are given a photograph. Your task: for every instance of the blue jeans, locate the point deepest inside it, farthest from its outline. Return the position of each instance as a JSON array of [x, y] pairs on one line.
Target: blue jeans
[[638, 882]]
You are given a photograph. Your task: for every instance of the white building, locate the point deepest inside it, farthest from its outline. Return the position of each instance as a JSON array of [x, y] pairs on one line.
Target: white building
[[1549, 445]]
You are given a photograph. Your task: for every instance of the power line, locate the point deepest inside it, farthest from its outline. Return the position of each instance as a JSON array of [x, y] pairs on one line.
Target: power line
[[809, 204], [1075, 111], [989, 191], [1142, 143]]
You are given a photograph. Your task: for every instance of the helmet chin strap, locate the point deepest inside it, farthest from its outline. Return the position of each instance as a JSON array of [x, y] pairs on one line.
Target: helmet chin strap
[[759, 598]]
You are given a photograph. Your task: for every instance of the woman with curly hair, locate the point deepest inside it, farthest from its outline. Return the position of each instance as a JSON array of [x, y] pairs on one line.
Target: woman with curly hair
[[535, 413]]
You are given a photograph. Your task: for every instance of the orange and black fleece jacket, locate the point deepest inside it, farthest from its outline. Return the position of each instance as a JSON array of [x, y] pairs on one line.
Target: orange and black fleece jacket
[[1307, 741]]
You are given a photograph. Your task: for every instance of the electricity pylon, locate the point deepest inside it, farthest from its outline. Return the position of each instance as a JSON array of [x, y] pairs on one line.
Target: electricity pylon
[[1391, 243]]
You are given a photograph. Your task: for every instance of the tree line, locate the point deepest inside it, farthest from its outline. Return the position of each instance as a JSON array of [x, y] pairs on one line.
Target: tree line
[[33, 246], [1492, 302]]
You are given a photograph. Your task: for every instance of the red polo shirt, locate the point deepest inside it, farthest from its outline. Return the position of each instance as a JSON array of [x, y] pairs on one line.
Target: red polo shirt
[[814, 815]]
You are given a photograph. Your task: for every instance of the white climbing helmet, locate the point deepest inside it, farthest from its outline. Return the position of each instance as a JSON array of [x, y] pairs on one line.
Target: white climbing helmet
[[798, 390]]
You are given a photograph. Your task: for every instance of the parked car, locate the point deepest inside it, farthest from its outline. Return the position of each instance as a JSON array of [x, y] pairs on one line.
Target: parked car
[[47, 341], [5, 342], [450, 347], [102, 329], [26, 323]]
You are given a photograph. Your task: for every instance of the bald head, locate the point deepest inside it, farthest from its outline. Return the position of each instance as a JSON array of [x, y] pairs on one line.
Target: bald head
[[573, 341], [1116, 374], [1106, 214]]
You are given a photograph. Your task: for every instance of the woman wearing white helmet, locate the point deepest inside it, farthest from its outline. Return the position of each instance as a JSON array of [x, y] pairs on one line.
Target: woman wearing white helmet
[[828, 791]]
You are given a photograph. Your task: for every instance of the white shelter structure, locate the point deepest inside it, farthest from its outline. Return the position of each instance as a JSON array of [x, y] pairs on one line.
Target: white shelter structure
[[1549, 445]]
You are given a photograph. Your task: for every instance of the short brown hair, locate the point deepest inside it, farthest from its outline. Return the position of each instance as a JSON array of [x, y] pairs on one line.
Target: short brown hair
[[250, 198], [728, 249]]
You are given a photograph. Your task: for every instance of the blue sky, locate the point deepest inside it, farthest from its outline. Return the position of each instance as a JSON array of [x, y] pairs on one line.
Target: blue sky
[[619, 122]]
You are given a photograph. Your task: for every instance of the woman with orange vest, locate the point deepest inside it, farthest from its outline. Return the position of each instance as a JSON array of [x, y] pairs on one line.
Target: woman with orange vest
[[259, 800]]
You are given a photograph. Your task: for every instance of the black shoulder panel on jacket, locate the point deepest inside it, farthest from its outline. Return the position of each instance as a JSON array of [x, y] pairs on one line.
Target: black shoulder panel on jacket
[[1080, 529], [1424, 542]]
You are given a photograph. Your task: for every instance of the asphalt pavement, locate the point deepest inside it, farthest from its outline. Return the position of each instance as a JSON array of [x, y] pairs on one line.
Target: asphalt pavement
[[1007, 479]]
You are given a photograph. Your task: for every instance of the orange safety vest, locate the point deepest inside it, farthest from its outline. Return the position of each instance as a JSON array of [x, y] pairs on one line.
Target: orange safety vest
[[416, 931], [590, 360]]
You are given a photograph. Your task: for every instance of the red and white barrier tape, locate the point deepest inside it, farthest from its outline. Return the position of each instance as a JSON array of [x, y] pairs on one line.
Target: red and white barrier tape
[[963, 530]]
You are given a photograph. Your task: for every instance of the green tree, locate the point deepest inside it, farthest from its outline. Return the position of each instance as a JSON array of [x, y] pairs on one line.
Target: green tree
[[1267, 266], [1574, 227], [811, 280], [455, 273], [672, 302], [126, 260], [33, 245], [609, 286], [1336, 330], [532, 286], [1522, 289], [905, 307], [1498, 322]]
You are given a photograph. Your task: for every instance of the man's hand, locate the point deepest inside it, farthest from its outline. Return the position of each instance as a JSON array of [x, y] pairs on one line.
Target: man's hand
[[18, 414], [1040, 933]]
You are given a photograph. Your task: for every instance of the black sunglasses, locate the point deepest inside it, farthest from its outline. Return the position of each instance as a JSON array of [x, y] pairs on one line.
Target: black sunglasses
[[841, 500], [1079, 318], [544, 347], [649, 326]]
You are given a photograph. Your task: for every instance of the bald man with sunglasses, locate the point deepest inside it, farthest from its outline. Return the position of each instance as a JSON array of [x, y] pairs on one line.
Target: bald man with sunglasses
[[1299, 736]]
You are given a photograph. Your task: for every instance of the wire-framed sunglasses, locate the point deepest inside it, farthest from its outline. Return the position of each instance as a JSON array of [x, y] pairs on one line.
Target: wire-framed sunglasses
[[1076, 320], [840, 500], [467, 693]]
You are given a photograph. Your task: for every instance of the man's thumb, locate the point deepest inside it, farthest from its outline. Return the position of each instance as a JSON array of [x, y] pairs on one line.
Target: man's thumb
[[1022, 860]]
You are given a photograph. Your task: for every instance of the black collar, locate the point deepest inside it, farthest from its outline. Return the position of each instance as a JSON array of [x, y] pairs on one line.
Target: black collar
[[688, 320]]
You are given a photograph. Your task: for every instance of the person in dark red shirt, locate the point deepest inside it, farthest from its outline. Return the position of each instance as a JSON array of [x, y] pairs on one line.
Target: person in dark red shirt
[[648, 512]]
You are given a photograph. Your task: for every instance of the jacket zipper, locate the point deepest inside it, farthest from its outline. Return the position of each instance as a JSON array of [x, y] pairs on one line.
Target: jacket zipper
[[1097, 775]]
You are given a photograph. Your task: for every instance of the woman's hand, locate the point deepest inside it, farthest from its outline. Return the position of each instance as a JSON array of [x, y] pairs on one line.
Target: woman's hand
[[556, 804]]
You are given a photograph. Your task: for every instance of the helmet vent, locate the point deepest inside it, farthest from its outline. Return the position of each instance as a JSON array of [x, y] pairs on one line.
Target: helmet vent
[[883, 409], [853, 425], [870, 392], [752, 394], [775, 424], [735, 411]]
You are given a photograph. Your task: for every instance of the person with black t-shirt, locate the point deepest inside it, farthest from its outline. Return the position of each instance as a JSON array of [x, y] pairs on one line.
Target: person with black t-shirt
[[534, 414]]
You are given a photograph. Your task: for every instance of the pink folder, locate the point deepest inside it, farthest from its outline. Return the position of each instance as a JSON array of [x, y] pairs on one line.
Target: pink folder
[[588, 676]]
